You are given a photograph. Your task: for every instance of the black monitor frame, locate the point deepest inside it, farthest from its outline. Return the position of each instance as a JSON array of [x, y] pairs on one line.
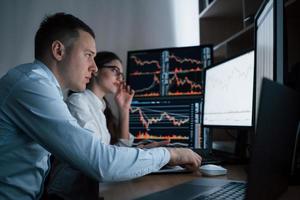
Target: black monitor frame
[[279, 55], [209, 62], [253, 99]]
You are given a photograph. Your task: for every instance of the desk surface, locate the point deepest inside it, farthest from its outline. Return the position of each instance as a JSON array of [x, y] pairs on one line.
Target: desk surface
[[157, 182]]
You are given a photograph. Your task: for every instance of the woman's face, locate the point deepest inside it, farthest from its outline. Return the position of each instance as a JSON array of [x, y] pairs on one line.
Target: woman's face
[[110, 76]]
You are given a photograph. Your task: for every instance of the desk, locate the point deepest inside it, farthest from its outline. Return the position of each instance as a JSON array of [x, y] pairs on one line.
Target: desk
[[157, 182]]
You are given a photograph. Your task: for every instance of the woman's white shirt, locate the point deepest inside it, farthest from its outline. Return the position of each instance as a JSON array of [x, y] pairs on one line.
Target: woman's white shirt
[[88, 109]]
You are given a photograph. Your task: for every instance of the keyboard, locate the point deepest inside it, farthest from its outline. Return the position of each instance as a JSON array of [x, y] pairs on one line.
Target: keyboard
[[231, 190]]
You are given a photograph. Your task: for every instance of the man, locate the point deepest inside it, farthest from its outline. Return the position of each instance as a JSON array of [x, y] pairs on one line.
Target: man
[[35, 121]]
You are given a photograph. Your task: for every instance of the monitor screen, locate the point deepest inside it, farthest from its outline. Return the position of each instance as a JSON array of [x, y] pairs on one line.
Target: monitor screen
[[228, 96], [169, 71], [162, 119]]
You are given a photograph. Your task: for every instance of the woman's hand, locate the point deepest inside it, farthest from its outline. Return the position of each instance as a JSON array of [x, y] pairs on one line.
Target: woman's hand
[[124, 96]]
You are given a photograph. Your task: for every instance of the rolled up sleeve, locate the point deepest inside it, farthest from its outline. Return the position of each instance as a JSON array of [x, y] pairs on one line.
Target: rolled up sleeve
[[39, 111]]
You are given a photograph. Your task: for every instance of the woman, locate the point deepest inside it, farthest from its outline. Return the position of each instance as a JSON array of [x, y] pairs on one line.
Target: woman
[[90, 107], [91, 111]]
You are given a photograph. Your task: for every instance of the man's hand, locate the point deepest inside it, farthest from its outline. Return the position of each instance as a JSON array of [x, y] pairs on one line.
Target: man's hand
[[185, 157]]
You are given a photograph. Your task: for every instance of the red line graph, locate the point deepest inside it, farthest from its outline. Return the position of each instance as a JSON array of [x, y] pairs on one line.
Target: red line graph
[[176, 70], [146, 62], [195, 88], [182, 78], [183, 60], [178, 93], [145, 135], [180, 82], [139, 62], [153, 84], [149, 94], [137, 73], [180, 70], [146, 121]]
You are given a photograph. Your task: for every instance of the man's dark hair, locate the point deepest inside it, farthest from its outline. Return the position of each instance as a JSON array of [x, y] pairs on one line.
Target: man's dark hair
[[60, 26]]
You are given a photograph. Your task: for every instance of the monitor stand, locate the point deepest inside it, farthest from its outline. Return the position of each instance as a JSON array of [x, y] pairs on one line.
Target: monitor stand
[[236, 151], [241, 145], [295, 170], [207, 139]]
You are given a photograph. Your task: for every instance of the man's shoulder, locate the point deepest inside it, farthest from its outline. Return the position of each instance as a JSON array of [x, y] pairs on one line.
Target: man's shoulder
[[29, 78], [28, 71], [12, 79], [34, 71]]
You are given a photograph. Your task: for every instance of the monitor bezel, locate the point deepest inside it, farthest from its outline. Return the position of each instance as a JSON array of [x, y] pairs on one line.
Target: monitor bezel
[[169, 48], [276, 4], [250, 127], [276, 50]]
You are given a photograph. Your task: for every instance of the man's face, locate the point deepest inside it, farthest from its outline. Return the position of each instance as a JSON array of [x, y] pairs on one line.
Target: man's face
[[78, 63]]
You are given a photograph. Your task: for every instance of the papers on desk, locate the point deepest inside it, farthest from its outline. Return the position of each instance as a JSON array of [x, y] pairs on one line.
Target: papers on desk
[[171, 169]]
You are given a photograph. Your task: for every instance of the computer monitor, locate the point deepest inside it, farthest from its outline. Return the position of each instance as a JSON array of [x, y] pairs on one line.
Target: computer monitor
[[228, 96], [269, 43], [168, 71], [157, 119]]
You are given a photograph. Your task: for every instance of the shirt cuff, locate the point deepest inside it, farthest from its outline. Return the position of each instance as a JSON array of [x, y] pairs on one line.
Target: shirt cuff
[[161, 159], [126, 142]]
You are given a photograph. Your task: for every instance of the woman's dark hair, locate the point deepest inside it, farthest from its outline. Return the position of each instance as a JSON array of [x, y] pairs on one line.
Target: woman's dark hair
[[60, 26], [102, 58], [111, 123]]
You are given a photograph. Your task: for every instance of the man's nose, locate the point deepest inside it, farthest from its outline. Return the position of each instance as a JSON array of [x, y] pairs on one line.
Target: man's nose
[[94, 67]]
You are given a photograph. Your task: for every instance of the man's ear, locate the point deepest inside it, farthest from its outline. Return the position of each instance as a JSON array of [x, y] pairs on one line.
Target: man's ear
[[58, 50]]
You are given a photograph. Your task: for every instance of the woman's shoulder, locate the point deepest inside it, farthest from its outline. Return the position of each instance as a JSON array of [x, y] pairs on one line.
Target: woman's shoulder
[[77, 97]]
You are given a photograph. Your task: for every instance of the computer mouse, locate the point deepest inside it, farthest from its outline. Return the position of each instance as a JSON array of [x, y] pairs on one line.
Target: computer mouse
[[212, 170]]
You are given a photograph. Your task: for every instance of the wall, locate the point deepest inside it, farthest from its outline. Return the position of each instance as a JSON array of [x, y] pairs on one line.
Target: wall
[[120, 25]]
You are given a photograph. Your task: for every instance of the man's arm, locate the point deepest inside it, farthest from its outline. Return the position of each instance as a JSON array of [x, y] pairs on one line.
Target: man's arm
[[39, 111]]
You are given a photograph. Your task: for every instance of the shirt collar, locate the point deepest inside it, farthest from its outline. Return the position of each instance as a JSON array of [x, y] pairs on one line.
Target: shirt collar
[[49, 74], [98, 102]]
